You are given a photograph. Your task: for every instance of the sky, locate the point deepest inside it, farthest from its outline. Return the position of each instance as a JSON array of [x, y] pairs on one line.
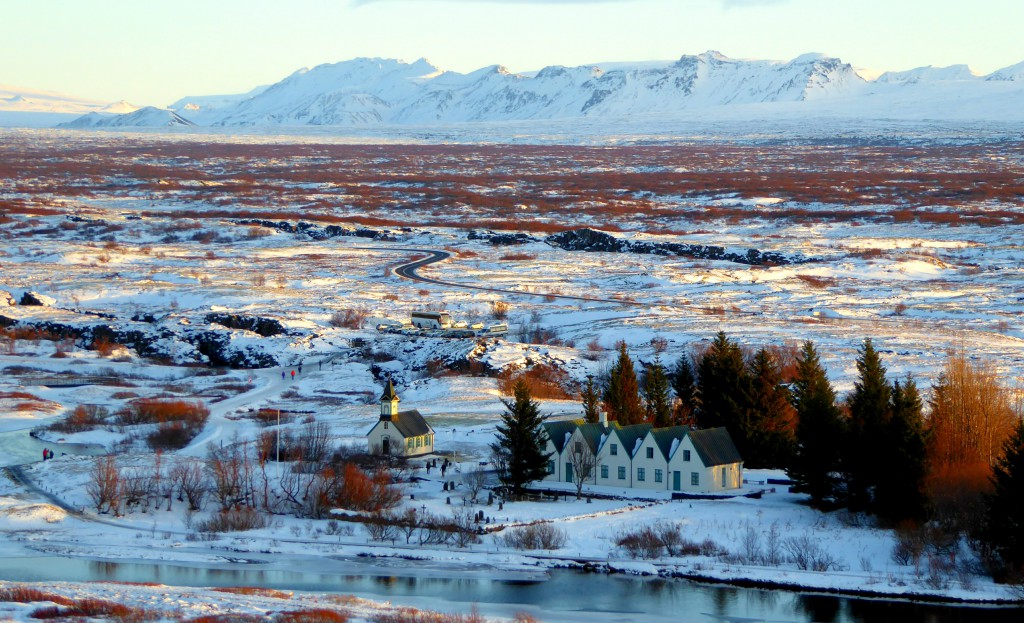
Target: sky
[[154, 53]]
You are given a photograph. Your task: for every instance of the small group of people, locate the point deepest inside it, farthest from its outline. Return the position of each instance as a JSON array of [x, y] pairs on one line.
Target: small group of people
[[433, 463], [283, 375], [47, 453]]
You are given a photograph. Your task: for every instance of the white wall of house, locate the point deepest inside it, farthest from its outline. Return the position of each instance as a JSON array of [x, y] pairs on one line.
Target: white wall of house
[[695, 477], [554, 463], [613, 459], [646, 465], [567, 452]]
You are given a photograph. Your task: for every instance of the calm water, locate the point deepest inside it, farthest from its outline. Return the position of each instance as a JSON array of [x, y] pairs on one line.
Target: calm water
[[566, 596]]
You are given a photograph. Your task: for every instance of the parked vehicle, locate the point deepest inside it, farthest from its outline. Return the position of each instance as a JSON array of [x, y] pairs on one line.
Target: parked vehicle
[[431, 320]]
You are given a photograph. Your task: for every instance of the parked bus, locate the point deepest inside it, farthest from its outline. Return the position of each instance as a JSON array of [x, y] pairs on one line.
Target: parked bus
[[431, 320]]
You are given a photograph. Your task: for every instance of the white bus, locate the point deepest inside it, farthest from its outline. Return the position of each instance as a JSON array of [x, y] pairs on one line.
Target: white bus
[[431, 320]]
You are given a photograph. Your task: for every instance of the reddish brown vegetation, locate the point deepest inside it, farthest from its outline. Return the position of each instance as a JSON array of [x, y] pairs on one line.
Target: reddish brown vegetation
[[545, 382], [178, 421], [537, 188]]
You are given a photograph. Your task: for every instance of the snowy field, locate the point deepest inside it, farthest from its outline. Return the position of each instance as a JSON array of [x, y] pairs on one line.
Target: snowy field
[[159, 267]]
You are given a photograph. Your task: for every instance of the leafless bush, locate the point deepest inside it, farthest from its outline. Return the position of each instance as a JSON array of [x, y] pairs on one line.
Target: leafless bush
[[412, 615], [237, 519], [382, 527], [349, 318], [104, 486], [651, 541], [84, 417], [463, 522], [500, 309], [807, 553], [190, 481], [474, 478], [534, 536]]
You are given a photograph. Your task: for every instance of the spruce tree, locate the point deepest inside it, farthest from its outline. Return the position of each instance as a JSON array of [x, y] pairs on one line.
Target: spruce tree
[[903, 457], [1004, 518], [591, 400], [870, 411], [771, 418], [622, 394], [724, 389], [519, 450], [684, 385], [656, 395], [819, 429]]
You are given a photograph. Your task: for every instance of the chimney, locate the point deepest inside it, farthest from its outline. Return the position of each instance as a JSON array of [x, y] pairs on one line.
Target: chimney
[[602, 418]]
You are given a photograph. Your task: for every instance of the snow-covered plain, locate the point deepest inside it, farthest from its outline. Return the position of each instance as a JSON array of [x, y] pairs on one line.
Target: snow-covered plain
[[916, 287]]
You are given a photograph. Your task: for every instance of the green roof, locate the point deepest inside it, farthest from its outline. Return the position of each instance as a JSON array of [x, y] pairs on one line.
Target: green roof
[[557, 432], [715, 447], [630, 434], [664, 437]]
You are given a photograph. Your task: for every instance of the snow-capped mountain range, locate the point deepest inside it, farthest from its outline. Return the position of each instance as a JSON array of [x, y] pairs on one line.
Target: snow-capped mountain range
[[373, 91]]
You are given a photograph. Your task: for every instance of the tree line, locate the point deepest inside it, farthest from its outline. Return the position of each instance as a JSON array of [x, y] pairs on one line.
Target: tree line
[[953, 461]]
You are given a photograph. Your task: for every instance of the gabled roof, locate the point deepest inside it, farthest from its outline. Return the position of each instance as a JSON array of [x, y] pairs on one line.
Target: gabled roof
[[389, 392], [559, 431], [715, 447], [630, 434], [664, 438], [592, 434], [411, 424]]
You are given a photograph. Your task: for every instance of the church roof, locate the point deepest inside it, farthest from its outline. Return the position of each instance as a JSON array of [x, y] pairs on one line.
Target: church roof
[[389, 392], [411, 424]]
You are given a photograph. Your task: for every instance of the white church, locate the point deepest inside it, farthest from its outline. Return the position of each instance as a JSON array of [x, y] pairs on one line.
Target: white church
[[399, 433]]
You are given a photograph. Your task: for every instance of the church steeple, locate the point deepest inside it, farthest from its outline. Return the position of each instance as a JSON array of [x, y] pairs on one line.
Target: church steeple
[[389, 402]]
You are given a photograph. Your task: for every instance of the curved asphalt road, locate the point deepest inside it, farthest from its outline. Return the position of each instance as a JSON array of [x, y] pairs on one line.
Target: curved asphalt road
[[409, 271]]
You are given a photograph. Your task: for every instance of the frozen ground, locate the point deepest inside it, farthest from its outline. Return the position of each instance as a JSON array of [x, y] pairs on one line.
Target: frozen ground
[[917, 288]]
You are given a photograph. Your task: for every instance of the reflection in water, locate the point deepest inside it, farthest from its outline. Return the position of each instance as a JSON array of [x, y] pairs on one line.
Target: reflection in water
[[565, 596]]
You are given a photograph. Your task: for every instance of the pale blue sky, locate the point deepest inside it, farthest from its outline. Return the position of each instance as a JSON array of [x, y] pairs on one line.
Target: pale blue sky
[[151, 52]]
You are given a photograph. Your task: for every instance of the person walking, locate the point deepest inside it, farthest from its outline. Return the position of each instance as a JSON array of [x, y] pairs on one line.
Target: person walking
[[282, 375], [293, 375], [46, 452]]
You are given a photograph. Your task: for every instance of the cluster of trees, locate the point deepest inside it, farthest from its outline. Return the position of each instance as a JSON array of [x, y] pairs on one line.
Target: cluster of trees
[[955, 461], [722, 386], [240, 480]]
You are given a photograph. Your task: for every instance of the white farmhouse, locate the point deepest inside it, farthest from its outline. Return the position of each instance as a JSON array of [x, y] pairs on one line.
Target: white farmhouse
[[675, 459], [403, 433]]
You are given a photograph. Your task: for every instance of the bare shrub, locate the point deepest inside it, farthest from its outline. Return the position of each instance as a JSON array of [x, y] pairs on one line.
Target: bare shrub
[[349, 318], [808, 554], [104, 486], [534, 536], [517, 257], [190, 481], [412, 615], [238, 519], [651, 541], [311, 615], [500, 309], [83, 418]]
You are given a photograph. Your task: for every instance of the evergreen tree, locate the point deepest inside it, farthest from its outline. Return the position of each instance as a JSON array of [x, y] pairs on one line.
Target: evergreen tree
[[1004, 517], [591, 400], [724, 389], [656, 395], [771, 418], [903, 457], [684, 385], [870, 411], [819, 429], [519, 448], [622, 394]]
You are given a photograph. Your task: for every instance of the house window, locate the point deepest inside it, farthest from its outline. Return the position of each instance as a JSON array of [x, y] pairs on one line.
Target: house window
[[686, 455], [658, 475], [641, 474], [650, 453], [604, 471], [579, 447], [551, 467], [385, 425], [724, 482], [419, 442], [614, 450], [410, 443], [695, 479], [622, 472]]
